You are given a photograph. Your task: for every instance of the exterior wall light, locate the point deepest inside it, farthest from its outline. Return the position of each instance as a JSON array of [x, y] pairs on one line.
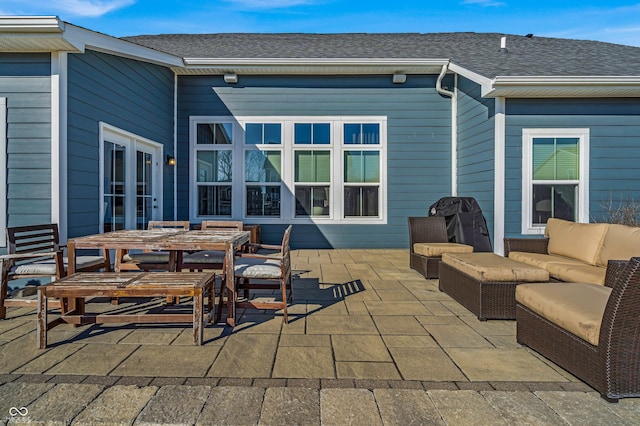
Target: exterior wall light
[[231, 78], [171, 160], [399, 78]]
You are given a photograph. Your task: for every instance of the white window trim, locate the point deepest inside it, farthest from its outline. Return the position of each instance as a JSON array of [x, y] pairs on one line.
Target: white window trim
[[129, 140], [583, 135], [3, 168], [287, 212]]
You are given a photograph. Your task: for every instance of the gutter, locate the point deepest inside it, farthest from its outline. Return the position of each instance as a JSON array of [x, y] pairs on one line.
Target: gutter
[[454, 127]]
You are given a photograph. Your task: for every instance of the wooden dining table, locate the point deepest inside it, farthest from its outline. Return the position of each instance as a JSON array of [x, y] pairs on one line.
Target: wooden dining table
[[175, 241]]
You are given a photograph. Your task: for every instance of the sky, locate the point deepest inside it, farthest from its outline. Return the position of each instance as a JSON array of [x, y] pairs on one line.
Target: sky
[[611, 21]]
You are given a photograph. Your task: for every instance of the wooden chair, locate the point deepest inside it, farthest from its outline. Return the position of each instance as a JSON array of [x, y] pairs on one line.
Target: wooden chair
[[427, 241], [209, 259], [253, 271], [35, 252], [149, 260]]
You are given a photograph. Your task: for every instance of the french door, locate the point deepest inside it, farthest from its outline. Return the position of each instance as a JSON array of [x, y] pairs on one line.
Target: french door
[[131, 180]]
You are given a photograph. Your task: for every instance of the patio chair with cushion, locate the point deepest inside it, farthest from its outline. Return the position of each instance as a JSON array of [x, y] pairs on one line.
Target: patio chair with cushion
[[151, 260], [254, 271], [428, 241], [35, 252]]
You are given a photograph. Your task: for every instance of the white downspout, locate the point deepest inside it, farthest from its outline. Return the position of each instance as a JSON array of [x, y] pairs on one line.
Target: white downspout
[[454, 126]]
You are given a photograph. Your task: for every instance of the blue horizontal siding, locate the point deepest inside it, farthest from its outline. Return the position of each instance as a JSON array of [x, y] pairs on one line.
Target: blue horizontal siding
[[134, 96], [25, 82], [614, 148], [418, 150], [476, 150]]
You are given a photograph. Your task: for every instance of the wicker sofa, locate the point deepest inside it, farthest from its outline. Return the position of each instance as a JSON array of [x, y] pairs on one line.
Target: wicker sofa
[[576, 252], [590, 330]]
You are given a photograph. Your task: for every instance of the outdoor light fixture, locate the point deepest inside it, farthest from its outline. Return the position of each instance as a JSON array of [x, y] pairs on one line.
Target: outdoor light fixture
[[231, 78], [171, 160], [399, 78]]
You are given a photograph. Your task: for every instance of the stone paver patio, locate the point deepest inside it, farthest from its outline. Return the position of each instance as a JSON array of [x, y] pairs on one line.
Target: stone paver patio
[[365, 332]]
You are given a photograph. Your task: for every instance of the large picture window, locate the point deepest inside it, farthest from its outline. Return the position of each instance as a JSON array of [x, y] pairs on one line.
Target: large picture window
[[289, 169], [555, 173]]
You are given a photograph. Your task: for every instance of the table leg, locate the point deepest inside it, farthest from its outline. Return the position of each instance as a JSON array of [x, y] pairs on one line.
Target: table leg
[[198, 316], [42, 320], [71, 255], [230, 285]]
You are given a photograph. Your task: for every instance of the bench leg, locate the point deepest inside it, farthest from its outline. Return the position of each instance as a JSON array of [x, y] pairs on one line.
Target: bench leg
[[198, 317], [42, 320]]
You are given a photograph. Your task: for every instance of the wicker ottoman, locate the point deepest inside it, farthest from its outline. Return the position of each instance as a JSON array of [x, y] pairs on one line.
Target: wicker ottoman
[[485, 283]]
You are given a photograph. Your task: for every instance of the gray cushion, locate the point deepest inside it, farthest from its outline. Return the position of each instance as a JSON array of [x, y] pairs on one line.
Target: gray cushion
[[248, 267], [205, 256], [48, 266]]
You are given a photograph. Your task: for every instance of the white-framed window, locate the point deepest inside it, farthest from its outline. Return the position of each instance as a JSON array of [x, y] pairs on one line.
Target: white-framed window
[[325, 169], [3, 167], [555, 176]]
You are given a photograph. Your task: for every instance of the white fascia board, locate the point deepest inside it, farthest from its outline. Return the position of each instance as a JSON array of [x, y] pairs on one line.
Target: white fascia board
[[83, 39], [51, 33], [31, 24], [259, 65], [562, 86], [483, 81]]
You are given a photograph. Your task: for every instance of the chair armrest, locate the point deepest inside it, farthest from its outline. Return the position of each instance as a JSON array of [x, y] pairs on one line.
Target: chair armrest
[[259, 256], [529, 245], [253, 248], [614, 268], [19, 256]]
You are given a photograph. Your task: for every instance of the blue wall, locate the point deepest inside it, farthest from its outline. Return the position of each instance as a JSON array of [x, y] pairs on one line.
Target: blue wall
[[476, 148], [26, 83], [418, 152], [131, 95], [614, 148]]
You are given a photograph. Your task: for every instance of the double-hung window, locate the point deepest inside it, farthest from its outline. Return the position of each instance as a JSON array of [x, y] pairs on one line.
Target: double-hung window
[[555, 177], [213, 168], [323, 169], [312, 169], [263, 169], [361, 172]]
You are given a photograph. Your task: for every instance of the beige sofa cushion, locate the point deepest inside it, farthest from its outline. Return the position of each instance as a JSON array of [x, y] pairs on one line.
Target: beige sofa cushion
[[489, 267], [620, 243], [576, 307], [542, 260], [577, 273], [580, 241], [436, 249]]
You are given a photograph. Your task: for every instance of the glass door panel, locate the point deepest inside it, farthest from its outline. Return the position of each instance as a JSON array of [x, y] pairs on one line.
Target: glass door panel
[[114, 186], [145, 200]]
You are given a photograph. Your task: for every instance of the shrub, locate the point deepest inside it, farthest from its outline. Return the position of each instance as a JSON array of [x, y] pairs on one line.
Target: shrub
[[625, 212]]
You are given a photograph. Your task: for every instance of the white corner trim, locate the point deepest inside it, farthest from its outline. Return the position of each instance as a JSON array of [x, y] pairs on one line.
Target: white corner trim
[[499, 176], [59, 142], [3, 167], [454, 139]]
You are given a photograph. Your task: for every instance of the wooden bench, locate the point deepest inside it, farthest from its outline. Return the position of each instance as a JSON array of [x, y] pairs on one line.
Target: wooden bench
[[72, 291]]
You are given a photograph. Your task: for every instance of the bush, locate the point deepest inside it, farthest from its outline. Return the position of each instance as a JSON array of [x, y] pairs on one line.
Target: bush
[[625, 213]]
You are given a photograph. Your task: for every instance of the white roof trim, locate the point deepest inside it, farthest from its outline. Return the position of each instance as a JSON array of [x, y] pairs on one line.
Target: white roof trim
[[564, 86], [310, 65], [49, 33], [31, 24]]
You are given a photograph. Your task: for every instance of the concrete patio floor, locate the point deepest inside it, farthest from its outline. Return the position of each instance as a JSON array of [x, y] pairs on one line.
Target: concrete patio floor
[[369, 340]]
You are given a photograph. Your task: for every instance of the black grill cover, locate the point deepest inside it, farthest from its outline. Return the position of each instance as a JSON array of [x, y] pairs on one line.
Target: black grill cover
[[465, 222]]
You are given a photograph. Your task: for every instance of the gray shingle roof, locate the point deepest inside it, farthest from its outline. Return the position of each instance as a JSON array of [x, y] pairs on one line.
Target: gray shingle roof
[[478, 52]]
